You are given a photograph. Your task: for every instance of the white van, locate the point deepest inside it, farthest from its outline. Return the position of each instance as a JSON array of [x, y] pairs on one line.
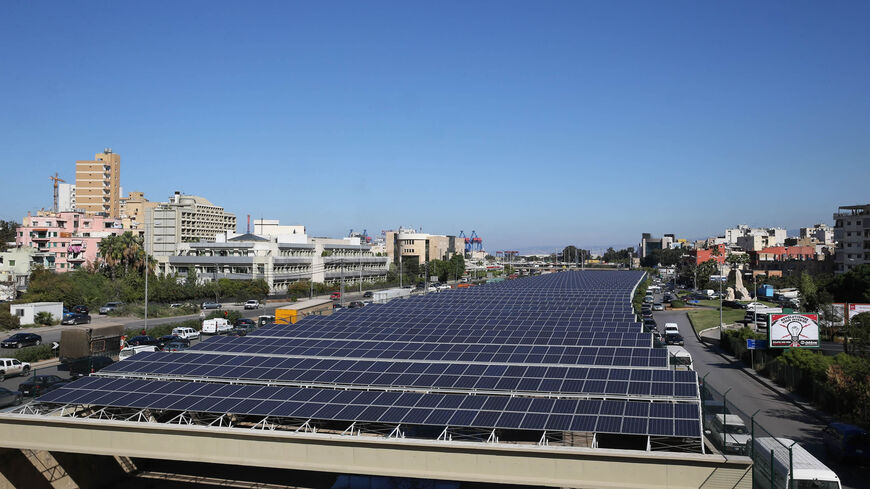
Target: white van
[[186, 333], [216, 326], [129, 351], [679, 358], [729, 433], [801, 467]]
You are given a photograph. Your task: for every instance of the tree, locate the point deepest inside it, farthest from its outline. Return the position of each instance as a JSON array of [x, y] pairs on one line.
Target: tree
[[852, 286], [858, 334], [809, 292], [8, 230], [121, 254]]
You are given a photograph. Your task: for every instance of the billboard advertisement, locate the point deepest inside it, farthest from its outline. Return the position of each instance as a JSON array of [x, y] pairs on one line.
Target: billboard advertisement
[[794, 330], [855, 309]]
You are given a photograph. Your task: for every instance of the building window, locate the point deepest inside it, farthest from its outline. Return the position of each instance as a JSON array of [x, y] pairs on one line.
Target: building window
[[11, 263]]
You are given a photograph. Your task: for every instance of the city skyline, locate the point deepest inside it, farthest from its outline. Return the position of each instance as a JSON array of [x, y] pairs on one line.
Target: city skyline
[[536, 126]]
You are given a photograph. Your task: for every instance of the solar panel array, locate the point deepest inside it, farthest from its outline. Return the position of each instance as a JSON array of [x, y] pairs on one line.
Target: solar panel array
[[560, 352]]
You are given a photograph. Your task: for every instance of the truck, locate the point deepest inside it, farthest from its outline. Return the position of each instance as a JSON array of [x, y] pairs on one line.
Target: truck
[[293, 313], [384, 296], [780, 463], [86, 349]]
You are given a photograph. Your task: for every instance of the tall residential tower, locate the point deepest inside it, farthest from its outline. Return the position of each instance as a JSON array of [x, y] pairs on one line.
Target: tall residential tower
[[98, 184]]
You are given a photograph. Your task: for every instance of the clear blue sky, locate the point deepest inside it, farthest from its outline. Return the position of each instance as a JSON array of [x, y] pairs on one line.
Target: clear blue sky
[[537, 124]]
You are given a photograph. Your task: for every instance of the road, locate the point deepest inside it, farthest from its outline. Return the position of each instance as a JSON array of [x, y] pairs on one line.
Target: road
[[776, 413]]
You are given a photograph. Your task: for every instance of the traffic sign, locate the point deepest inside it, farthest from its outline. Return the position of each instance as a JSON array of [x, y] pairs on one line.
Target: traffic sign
[[754, 345]]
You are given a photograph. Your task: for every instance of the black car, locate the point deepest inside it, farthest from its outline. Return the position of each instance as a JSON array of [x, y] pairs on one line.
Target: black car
[[245, 322], [81, 309], [674, 339], [238, 331], [40, 384], [355, 305], [649, 325], [171, 338], [76, 318], [9, 398], [20, 340], [368, 294], [144, 340]]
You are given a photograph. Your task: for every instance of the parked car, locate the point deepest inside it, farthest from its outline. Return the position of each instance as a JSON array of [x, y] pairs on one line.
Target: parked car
[[649, 325], [176, 346], [245, 322], [210, 305], [368, 294], [729, 433], [335, 295], [732, 304], [355, 305], [40, 384], [847, 442], [133, 350], [81, 309], [143, 340], [12, 366], [110, 306], [252, 304], [171, 338], [20, 340], [186, 333], [9, 398], [238, 331], [658, 306], [76, 318]]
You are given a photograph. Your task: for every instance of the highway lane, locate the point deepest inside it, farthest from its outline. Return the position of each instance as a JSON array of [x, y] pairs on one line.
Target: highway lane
[[776, 413]]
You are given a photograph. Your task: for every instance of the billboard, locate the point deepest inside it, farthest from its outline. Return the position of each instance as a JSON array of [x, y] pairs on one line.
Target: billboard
[[855, 309], [794, 331]]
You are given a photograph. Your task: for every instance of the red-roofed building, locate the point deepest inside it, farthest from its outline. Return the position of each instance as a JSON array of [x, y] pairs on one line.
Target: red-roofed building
[[786, 253], [703, 255]]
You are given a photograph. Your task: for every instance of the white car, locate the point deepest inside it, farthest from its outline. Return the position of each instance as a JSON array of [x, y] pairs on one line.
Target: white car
[[252, 304], [186, 333], [754, 305], [13, 366], [672, 328], [443, 287]]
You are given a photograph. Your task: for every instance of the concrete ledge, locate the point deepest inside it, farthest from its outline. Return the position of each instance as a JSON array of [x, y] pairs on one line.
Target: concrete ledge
[[459, 461]]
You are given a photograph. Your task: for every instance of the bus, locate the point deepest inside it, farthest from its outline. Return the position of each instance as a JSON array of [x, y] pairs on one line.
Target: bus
[[775, 468], [679, 358]]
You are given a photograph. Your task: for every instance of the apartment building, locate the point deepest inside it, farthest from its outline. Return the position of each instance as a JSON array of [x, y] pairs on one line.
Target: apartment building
[[648, 243], [184, 219], [65, 240], [821, 233], [98, 184], [133, 211], [66, 197], [280, 264], [770, 236], [420, 247], [852, 234]]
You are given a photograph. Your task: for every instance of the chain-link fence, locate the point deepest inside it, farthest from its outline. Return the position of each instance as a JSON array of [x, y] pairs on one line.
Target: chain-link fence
[[734, 432]]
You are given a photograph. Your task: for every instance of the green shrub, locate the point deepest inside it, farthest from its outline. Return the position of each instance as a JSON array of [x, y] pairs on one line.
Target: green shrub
[[44, 318], [7, 320], [677, 304], [32, 354]]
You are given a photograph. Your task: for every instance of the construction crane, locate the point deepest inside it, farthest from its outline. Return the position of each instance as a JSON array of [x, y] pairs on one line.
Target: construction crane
[[467, 242], [56, 179]]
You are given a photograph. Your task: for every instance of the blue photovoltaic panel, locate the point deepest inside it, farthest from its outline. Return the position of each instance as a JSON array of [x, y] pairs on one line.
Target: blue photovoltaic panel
[[571, 334]]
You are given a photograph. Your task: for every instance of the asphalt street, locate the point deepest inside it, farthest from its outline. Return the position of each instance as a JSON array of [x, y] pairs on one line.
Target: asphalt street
[[775, 413]]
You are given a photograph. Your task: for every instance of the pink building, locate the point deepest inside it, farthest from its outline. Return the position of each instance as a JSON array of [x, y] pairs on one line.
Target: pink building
[[65, 240]]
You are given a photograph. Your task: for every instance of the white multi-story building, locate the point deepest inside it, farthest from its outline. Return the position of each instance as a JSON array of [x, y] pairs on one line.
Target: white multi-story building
[[184, 219], [852, 234], [774, 236], [66, 197], [280, 264], [821, 233]]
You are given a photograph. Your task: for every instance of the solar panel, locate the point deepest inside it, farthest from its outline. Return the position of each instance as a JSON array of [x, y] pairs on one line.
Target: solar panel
[[536, 354]]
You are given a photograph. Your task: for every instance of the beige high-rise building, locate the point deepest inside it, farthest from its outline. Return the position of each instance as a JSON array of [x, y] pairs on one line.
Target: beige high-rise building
[[98, 184]]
